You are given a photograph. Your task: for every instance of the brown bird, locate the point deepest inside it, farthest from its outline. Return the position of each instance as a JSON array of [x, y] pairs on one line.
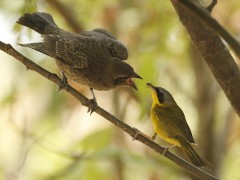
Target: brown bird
[[93, 58]]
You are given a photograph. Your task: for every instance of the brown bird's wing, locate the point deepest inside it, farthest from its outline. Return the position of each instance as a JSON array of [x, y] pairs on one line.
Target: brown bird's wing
[[174, 120], [115, 48], [70, 51], [39, 47], [98, 33]]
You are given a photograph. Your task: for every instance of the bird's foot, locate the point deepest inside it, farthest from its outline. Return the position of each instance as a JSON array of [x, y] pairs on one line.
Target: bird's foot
[[136, 134], [154, 136], [64, 83], [92, 105], [166, 149], [93, 102], [139, 132]]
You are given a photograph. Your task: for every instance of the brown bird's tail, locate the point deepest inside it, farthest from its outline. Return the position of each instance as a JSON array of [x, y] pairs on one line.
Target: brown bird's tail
[[40, 22], [193, 155]]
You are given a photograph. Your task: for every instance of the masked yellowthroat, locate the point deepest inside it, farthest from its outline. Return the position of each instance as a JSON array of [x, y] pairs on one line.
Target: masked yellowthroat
[[170, 124]]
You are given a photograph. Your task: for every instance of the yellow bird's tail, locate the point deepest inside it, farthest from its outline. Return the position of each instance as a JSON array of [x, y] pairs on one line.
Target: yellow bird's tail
[[193, 155]]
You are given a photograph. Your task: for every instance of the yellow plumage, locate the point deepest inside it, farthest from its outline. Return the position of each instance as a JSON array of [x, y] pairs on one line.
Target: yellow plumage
[[170, 124], [160, 129]]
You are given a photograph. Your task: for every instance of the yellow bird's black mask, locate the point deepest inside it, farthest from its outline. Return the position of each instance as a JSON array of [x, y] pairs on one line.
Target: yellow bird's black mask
[[160, 95]]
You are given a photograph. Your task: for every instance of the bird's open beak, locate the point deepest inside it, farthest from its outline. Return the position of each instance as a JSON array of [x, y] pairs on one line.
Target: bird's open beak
[[131, 83], [151, 86]]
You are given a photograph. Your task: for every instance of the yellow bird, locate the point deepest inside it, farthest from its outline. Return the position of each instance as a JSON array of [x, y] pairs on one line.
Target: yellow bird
[[170, 124]]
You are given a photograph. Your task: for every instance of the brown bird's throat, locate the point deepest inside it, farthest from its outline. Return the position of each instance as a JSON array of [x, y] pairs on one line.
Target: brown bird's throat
[[131, 83]]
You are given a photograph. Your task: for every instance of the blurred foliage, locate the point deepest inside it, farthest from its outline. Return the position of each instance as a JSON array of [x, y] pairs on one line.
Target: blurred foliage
[[46, 134]]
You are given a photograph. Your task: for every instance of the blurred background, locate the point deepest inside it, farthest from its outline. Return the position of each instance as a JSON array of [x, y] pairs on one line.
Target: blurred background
[[46, 134]]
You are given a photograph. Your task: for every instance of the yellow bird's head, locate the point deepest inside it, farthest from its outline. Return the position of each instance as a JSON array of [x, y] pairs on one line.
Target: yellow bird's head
[[161, 96]]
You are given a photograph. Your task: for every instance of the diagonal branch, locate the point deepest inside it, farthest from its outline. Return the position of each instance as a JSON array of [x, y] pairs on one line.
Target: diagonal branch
[[215, 53], [85, 102], [209, 21]]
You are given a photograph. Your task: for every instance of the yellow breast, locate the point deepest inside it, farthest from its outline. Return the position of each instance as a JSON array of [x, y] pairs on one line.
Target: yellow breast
[[161, 129]]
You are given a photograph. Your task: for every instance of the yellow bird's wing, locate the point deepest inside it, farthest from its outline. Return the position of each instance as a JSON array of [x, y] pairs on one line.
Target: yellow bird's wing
[[173, 119]]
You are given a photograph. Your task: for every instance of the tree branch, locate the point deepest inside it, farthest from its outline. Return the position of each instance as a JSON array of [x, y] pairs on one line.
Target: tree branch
[[67, 14], [209, 21], [85, 102], [214, 52]]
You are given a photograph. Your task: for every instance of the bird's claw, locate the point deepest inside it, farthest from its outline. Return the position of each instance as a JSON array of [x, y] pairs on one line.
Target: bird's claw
[[136, 134], [92, 105], [166, 148], [64, 83]]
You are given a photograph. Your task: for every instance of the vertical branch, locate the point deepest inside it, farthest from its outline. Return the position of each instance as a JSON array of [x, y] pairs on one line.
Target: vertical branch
[[67, 14], [223, 135], [205, 102], [214, 52]]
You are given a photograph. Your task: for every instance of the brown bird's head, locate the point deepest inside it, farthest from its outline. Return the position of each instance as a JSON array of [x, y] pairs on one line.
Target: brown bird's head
[[122, 74]]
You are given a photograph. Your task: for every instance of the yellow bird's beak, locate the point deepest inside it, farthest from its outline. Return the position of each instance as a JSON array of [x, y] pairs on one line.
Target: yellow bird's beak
[[153, 88]]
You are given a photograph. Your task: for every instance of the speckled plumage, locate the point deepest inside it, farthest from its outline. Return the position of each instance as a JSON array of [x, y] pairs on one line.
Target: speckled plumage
[[93, 58]]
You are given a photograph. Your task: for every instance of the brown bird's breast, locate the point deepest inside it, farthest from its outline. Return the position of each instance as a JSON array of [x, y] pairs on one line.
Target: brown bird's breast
[[97, 75]]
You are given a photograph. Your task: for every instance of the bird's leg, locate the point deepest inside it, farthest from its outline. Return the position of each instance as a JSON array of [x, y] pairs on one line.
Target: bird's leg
[[139, 132], [93, 102], [94, 97], [166, 149], [154, 136], [64, 83]]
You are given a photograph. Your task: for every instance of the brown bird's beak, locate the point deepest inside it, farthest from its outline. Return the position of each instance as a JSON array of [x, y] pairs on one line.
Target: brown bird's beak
[[135, 75], [131, 83], [151, 86]]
